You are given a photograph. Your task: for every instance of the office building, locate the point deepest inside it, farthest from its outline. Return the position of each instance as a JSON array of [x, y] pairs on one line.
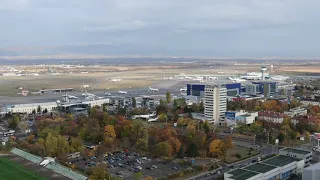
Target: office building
[[198, 90], [278, 167], [215, 103], [297, 153], [247, 118], [252, 89], [307, 101], [267, 88], [312, 172], [298, 111], [28, 108], [240, 117]]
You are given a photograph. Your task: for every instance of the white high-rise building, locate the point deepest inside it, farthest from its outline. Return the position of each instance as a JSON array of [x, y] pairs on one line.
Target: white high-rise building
[[215, 103]]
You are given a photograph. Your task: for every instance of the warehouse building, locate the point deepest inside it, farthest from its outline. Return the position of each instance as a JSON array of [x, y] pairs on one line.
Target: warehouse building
[[278, 167], [297, 153]]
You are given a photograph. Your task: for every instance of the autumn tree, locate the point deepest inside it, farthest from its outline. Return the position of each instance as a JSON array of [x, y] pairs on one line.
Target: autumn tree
[[163, 117], [69, 117], [218, 148], [228, 142], [109, 131], [175, 144], [148, 178]]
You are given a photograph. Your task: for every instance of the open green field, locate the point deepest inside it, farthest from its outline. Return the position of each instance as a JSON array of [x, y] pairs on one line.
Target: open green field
[[12, 171], [243, 151]]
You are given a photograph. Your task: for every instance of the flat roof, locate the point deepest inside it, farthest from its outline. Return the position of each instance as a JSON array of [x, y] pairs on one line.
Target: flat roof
[[261, 168], [241, 174], [279, 161], [297, 151], [313, 167]]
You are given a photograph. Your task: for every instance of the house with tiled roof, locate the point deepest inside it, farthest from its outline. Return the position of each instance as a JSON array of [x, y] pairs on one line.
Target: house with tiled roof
[[271, 116], [305, 118]]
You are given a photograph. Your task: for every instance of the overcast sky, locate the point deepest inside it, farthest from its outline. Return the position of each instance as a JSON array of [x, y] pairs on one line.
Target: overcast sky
[[172, 27]]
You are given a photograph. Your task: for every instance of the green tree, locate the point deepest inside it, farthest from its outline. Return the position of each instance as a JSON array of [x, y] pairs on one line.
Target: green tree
[[206, 127], [134, 102], [307, 136], [51, 144], [104, 108], [142, 144], [99, 172], [168, 97], [138, 176], [39, 109], [34, 111], [201, 106], [13, 123], [163, 149], [193, 150], [76, 144], [45, 111]]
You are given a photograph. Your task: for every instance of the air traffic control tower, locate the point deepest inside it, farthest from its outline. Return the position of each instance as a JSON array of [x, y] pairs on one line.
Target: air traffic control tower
[[263, 72]]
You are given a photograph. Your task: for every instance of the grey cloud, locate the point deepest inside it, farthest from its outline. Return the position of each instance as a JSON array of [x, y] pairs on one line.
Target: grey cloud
[[164, 25]]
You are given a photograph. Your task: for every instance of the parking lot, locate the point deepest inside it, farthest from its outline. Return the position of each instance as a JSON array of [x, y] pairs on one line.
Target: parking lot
[[125, 164]]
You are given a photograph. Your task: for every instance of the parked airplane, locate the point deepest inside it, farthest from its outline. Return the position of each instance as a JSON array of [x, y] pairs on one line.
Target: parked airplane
[[213, 78], [87, 94], [236, 79], [279, 78], [184, 89], [122, 92], [147, 116], [153, 119], [114, 80], [153, 89]]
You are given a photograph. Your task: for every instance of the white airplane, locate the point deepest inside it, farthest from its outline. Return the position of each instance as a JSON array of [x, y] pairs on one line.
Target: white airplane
[[47, 160], [213, 78], [70, 97], [122, 92], [115, 80], [184, 89], [237, 79], [153, 119], [146, 116], [153, 89], [87, 94], [279, 78]]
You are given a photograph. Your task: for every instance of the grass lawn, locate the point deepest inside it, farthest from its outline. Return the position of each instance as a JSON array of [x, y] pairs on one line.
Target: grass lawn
[[243, 151], [12, 171]]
